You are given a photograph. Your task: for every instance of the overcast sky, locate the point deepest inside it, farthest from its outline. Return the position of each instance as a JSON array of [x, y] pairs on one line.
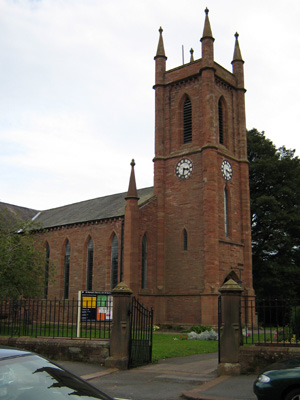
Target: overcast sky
[[76, 77]]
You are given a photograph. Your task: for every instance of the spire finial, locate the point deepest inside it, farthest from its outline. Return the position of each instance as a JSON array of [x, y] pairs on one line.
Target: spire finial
[[207, 33], [132, 192], [160, 48], [237, 63], [237, 56], [192, 55]]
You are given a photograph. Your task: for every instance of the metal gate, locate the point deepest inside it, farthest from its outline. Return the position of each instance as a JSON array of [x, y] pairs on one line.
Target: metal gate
[[141, 328]]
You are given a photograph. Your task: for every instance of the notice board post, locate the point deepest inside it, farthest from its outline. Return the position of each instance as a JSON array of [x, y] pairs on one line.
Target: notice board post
[[120, 333]]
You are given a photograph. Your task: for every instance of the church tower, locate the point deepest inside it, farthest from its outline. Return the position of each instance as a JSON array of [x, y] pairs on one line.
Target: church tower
[[200, 182]]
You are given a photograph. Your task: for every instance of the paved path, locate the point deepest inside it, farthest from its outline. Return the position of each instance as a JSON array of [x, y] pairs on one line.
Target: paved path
[[194, 377]]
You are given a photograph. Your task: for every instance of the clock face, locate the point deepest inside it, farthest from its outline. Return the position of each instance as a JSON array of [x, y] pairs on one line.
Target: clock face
[[184, 168], [226, 169]]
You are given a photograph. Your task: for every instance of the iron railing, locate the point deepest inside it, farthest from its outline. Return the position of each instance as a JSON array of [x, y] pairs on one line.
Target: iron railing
[[50, 318], [270, 321]]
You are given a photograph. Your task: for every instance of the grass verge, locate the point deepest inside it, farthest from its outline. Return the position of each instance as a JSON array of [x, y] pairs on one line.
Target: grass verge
[[168, 345]]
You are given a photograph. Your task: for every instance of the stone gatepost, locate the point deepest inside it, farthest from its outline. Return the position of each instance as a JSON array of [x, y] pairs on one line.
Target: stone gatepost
[[230, 330], [120, 332]]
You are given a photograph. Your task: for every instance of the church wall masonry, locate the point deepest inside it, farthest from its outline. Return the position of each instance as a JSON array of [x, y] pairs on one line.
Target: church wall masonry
[[78, 236]]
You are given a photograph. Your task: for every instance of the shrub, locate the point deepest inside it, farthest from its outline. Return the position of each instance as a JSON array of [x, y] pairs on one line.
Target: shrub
[[284, 334], [200, 328], [295, 321]]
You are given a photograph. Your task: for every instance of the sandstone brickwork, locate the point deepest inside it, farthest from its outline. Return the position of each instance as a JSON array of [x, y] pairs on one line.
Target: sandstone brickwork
[[197, 228]]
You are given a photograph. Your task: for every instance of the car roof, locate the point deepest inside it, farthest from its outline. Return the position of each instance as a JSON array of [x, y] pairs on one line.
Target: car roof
[[7, 352]]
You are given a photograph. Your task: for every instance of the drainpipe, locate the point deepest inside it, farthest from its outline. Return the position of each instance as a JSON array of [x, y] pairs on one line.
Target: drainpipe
[[122, 250]]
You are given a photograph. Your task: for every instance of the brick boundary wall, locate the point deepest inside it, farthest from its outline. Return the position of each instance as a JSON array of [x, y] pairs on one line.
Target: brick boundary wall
[[253, 359], [59, 349]]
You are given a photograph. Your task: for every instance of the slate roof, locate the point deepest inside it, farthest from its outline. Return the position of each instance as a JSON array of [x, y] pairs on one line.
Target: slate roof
[[12, 214], [90, 210]]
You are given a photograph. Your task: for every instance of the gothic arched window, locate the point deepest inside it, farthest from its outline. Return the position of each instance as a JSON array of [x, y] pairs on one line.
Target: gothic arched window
[[187, 121], [226, 229], [89, 264], [67, 269], [114, 262], [144, 262], [222, 120]]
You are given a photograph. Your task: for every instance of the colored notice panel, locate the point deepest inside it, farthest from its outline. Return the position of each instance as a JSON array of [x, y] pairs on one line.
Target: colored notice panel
[[89, 302], [96, 306]]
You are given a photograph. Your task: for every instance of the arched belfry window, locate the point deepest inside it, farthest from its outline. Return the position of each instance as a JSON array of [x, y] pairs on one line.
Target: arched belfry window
[[114, 262], [67, 269], [222, 120], [185, 240], [187, 121], [144, 262], [226, 228], [46, 270], [89, 264]]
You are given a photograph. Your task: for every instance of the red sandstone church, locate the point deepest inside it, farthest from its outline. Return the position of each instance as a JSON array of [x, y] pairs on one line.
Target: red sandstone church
[[176, 243]]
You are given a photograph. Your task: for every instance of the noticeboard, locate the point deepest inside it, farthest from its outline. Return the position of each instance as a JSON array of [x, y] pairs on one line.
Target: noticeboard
[[95, 306]]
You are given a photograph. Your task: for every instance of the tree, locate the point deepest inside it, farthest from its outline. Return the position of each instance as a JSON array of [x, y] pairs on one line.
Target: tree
[[275, 204], [22, 260]]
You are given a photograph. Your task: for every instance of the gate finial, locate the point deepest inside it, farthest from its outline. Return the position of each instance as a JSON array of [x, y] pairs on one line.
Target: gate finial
[[121, 288]]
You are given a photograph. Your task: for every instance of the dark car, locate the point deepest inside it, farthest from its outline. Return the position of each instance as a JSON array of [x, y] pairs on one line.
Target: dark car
[[28, 376], [280, 381]]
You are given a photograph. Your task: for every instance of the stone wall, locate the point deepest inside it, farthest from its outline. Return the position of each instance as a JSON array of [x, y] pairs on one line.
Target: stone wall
[[253, 359], [60, 349]]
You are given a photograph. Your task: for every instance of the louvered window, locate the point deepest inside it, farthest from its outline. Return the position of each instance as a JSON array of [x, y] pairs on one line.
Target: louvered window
[[144, 262], [185, 240], [187, 121], [114, 262], [89, 265], [221, 122], [67, 270]]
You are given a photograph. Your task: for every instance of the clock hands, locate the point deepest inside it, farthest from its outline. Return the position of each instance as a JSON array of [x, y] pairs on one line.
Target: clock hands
[[184, 168], [226, 170]]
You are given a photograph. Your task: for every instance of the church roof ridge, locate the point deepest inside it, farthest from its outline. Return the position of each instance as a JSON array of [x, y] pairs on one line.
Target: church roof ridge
[[100, 208], [14, 213]]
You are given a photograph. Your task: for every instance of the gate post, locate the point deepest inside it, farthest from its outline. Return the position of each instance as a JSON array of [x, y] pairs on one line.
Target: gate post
[[120, 332], [229, 328]]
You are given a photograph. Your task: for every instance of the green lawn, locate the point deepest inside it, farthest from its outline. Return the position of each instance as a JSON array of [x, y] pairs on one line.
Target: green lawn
[[175, 345]]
